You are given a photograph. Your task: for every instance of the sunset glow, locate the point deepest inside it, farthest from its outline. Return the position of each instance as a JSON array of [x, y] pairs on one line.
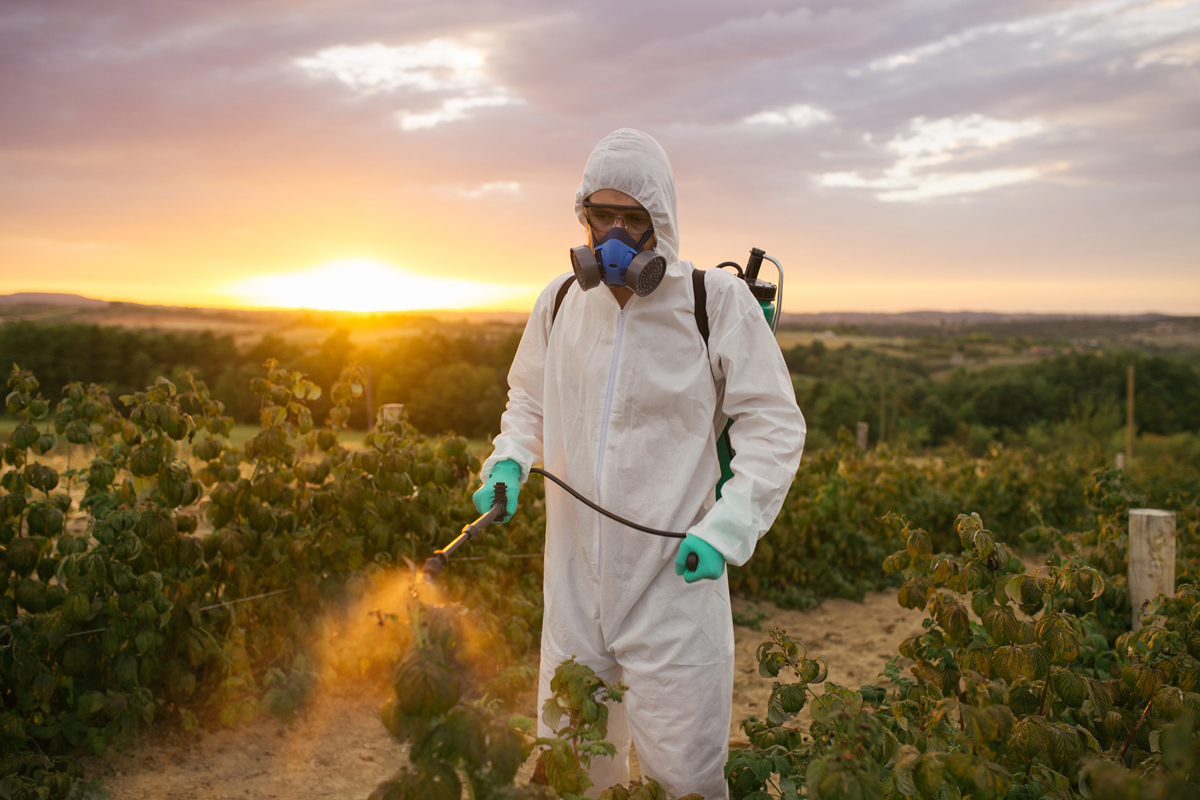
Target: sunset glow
[[376, 155], [365, 284]]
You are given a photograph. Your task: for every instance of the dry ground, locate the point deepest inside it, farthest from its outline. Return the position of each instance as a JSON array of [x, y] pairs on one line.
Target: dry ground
[[339, 749]]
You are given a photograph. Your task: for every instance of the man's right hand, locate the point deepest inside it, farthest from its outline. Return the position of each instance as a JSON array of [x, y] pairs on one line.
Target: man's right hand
[[507, 472]]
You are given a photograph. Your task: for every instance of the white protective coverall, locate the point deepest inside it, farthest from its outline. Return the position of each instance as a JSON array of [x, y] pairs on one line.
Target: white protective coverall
[[625, 405]]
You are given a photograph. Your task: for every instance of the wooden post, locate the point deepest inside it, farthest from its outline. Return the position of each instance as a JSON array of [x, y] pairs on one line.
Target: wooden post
[[1151, 557], [861, 438], [1120, 461], [390, 413], [1129, 419]]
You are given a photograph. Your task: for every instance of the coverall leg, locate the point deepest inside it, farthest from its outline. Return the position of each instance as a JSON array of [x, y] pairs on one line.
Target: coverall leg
[[678, 708]]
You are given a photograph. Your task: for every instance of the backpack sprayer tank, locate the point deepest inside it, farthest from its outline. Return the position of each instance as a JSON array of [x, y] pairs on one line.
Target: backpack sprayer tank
[[770, 300]]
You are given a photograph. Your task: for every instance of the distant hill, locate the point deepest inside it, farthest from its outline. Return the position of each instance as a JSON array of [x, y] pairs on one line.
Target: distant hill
[[958, 319], [49, 299], [54, 307]]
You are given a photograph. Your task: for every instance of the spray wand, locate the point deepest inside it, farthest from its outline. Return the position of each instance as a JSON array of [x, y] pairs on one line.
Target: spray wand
[[433, 565]]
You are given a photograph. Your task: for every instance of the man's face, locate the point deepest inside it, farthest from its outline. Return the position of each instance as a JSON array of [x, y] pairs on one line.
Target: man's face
[[608, 208]]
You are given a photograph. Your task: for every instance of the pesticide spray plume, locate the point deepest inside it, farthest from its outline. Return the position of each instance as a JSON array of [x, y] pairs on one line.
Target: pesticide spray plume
[[350, 651], [356, 646]]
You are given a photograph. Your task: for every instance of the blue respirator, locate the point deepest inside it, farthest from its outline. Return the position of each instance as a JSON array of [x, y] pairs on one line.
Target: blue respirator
[[618, 260]]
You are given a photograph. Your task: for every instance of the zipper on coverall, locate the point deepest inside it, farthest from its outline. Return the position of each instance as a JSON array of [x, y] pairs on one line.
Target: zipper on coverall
[[608, 398]]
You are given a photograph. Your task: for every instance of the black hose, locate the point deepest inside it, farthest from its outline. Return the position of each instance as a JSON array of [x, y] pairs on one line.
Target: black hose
[[604, 511], [434, 564], [693, 558]]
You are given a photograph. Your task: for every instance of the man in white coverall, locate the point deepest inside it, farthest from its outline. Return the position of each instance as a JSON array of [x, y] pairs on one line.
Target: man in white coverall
[[619, 396]]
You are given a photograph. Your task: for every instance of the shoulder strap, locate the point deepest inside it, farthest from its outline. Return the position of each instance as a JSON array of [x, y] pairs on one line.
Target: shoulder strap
[[558, 298], [700, 310], [701, 304]]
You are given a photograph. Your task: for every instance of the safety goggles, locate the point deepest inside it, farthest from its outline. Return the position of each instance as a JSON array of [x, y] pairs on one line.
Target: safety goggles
[[635, 219]]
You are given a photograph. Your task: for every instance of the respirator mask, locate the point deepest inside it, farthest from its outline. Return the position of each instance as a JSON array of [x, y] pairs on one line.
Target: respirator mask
[[616, 257]]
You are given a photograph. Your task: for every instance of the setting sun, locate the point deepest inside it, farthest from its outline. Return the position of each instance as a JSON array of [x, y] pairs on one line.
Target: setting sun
[[366, 284]]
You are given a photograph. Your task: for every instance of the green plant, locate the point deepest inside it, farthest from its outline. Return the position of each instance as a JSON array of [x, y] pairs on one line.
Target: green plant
[[119, 601], [450, 735], [579, 696], [831, 536], [1029, 701]]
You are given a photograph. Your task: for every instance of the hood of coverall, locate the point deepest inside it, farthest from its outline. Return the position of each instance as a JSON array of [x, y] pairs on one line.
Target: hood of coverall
[[632, 162]]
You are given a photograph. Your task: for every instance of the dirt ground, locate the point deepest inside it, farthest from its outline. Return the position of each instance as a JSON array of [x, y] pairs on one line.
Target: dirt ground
[[338, 747]]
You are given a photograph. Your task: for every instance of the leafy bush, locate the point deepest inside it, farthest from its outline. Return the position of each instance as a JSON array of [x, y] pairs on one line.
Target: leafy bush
[[101, 627], [1010, 705], [830, 537], [142, 577], [449, 734]]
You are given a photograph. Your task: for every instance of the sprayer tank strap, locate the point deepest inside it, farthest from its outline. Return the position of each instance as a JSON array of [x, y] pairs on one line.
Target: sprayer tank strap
[[701, 307]]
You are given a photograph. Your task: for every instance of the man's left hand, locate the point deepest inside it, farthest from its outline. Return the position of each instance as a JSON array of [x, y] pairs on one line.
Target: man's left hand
[[711, 563]]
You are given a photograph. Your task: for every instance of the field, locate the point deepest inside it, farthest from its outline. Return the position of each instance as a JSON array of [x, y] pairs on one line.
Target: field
[[248, 326], [338, 748], [213, 605]]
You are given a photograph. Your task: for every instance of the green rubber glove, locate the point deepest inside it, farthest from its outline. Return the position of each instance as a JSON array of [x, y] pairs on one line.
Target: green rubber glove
[[507, 472], [711, 565]]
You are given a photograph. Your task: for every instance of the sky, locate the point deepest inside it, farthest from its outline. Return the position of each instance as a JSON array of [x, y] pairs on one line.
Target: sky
[[894, 155]]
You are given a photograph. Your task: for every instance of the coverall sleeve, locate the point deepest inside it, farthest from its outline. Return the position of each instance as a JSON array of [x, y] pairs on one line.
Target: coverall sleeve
[[768, 430], [520, 437]]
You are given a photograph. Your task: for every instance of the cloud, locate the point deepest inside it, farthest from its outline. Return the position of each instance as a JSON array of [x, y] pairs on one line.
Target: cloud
[[499, 187], [1177, 54], [942, 140], [434, 66], [455, 108], [798, 116], [941, 143], [1087, 28]]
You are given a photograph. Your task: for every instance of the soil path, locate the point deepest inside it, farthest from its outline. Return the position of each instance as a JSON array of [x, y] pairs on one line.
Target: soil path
[[338, 748]]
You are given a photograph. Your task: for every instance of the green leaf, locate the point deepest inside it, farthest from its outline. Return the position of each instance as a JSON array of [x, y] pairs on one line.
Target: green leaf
[[1063, 746], [834, 700], [984, 543], [1168, 701], [23, 436], [1012, 664], [915, 593], [918, 547], [954, 621], [791, 696], [906, 761], [1101, 697], [1028, 737], [929, 775], [1000, 624], [45, 443], [562, 768], [1070, 687]]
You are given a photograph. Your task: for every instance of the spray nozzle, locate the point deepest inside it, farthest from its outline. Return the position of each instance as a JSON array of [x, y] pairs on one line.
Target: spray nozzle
[[434, 564]]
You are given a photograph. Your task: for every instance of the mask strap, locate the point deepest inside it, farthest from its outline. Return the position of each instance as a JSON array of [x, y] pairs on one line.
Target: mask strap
[[646, 237]]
